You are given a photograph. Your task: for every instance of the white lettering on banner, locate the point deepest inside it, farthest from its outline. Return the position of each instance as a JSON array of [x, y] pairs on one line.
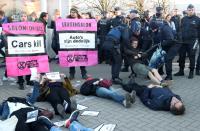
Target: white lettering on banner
[[77, 40], [25, 45]]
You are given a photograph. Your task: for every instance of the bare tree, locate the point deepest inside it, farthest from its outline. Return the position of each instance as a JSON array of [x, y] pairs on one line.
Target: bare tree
[[164, 4], [139, 5], [96, 5]]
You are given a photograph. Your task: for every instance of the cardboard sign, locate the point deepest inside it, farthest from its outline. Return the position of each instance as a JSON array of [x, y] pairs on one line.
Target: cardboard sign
[[32, 116], [32, 28], [78, 58], [53, 75], [77, 40], [25, 45], [19, 66], [76, 25]]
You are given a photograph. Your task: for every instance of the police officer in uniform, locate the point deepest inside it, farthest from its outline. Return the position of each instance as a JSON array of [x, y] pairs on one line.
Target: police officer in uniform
[[190, 26], [119, 19], [115, 39]]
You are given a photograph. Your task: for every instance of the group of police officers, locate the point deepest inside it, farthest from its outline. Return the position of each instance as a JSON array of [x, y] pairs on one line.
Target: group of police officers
[[176, 35]]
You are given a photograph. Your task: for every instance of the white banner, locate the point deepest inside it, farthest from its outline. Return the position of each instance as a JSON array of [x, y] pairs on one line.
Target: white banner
[[25, 45], [77, 40]]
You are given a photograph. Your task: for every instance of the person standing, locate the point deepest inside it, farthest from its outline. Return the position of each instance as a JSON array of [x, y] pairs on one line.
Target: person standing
[[20, 81], [190, 26], [74, 14]]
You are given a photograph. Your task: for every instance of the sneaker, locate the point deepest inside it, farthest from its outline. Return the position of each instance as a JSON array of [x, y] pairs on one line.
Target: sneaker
[[127, 101], [117, 81], [8, 79], [84, 76], [133, 95], [21, 87], [164, 84], [61, 111], [45, 121], [73, 117]]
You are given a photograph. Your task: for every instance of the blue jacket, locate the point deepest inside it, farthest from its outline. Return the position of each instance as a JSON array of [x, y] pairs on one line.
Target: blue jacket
[[167, 32], [158, 98]]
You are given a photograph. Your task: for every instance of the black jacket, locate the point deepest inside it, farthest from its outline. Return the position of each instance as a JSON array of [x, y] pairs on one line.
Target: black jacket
[[158, 98], [190, 27]]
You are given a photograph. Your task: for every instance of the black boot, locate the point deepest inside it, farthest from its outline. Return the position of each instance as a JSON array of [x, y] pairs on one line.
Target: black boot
[[197, 72], [125, 69], [71, 76], [191, 75], [180, 73]]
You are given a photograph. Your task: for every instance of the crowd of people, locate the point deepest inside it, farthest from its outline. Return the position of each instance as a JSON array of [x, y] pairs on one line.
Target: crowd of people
[[131, 40]]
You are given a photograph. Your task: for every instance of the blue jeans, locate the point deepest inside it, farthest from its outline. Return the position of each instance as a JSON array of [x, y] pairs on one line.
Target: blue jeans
[[76, 126], [36, 92], [109, 94], [157, 59], [53, 128], [4, 110]]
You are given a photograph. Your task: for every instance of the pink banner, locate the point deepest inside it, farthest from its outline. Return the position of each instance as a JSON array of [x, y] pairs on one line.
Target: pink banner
[[76, 25], [17, 28], [78, 58], [19, 66]]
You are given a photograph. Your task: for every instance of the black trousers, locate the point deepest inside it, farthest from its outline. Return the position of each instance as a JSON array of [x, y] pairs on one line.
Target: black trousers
[[198, 60], [139, 89], [21, 79], [187, 48], [172, 51], [57, 96], [116, 63], [72, 70], [23, 126]]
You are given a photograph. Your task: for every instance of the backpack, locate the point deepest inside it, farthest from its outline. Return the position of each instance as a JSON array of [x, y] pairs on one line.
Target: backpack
[[105, 83], [158, 58], [88, 88]]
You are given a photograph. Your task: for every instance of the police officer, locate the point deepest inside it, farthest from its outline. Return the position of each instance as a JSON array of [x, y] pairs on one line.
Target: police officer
[[115, 39], [156, 23], [177, 21], [190, 26], [168, 34], [103, 27], [119, 19]]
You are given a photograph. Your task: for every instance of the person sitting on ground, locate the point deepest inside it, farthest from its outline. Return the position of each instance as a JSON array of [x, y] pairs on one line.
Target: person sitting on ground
[[135, 60], [157, 98], [56, 93], [103, 88]]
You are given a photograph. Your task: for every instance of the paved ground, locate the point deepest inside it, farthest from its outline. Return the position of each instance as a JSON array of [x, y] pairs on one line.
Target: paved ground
[[138, 117]]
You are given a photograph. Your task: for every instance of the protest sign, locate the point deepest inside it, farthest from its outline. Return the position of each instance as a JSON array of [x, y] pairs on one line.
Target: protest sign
[[77, 58], [25, 45], [25, 48], [19, 65], [77, 39]]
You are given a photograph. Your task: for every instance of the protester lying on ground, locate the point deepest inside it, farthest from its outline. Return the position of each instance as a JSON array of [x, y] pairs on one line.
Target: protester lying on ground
[[157, 98], [103, 88], [135, 60], [56, 93], [28, 117]]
